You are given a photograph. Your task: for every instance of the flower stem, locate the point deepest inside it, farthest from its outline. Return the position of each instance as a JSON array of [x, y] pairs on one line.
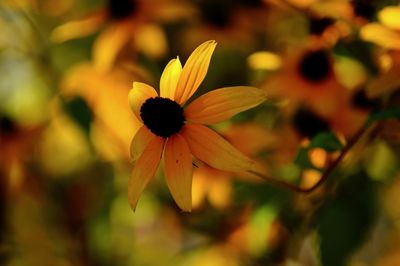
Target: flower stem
[[357, 136]]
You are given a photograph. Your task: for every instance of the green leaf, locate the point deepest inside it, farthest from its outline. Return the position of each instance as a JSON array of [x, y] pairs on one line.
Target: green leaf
[[327, 141], [384, 114], [344, 222], [78, 109], [381, 163], [259, 194]]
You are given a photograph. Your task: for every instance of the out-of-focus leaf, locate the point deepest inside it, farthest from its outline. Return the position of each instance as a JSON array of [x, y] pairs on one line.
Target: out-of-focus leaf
[[228, 68], [260, 226], [360, 51], [289, 172], [326, 140], [344, 222], [61, 57], [385, 114], [78, 109], [381, 162], [260, 194]]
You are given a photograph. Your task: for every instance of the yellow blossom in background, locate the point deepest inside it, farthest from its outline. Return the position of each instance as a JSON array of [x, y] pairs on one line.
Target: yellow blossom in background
[[226, 22], [174, 133], [386, 32], [307, 76], [105, 93], [63, 148], [312, 77], [124, 23]]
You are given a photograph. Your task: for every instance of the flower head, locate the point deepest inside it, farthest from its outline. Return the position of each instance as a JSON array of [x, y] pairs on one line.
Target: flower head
[[175, 132]]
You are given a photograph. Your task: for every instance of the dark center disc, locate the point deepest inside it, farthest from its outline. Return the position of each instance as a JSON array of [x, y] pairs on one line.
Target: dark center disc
[[216, 13], [308, 123], [318, 25], [120, 9], [162, 116], [315, 66]]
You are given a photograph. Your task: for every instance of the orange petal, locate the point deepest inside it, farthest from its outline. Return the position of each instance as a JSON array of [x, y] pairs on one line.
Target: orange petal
[[151, 40], [78, 29], [140, 141], [211, 148], [144, 169], [178, 171], [194, 71], [390, 17], [108, 45], [381, 35], [221, 104], [139, 93], [169, 78]]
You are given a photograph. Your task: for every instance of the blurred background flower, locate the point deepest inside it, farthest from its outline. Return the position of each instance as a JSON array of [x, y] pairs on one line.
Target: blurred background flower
[[330, 69]]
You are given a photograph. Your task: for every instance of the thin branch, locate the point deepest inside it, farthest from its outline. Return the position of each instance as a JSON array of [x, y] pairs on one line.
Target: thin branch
[[357, 136]]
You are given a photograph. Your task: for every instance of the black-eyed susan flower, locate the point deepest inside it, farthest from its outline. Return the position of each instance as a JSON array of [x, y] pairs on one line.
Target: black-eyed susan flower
[[124, 23], [307, 76], [321, 22], [226, 21], [310, 78], [385, 33], [175, 132]]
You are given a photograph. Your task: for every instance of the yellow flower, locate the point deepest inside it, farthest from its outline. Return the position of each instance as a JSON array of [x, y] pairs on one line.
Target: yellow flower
[[226, 22], [386, 32], [122, 24], [105, 93], [175, 132]]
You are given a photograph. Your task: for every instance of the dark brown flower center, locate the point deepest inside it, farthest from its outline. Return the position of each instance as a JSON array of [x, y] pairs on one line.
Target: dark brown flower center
[[7, 126], [315, 66], [318, 25], [251, 3], [162, 116], [308, 123], [120, 9], [360, 100], [216, 13], [364, 8]]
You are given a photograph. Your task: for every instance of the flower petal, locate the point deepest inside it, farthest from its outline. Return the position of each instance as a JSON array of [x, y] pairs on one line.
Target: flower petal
[[221, 104], [211, 148], [178, 171], [108, 44], [150, 39], [144, 169], [381, 35], [139, 93], [389, 16], [169, 78], [78, 29], [194, 71], [140, 141]]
